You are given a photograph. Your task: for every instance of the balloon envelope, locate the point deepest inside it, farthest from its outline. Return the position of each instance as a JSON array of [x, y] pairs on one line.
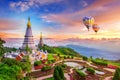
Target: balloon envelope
[[96, 28], [88, 21]]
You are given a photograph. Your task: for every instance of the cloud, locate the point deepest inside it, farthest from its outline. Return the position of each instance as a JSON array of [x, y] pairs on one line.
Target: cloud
[[25, 5], [8, 24], [106, 14], [84, 3], [10, 35]]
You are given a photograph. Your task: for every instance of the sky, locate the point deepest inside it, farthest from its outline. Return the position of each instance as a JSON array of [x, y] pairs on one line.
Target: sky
[[59, 19], [61, 22]]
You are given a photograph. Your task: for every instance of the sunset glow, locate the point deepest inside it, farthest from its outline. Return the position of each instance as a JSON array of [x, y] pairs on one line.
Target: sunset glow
[[62, 20]]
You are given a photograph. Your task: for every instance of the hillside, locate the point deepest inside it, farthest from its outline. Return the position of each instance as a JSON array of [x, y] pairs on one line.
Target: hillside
[[60, 50]]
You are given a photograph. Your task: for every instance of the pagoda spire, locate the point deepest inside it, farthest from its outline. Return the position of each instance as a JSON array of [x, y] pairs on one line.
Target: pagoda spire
[[29, 23], [41, 40]]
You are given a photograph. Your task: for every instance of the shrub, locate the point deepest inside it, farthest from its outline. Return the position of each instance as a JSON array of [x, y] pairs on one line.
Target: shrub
[[91, 70], [99, 62], [80, 73], [46, 62], [58, 55], [45, 68], [117, 74], [63, 65], [10, 72], [112, 66], [72, 57], [68, 57], [50, 61], [37, 63], [25, 66], [85, 58], [65, 57]]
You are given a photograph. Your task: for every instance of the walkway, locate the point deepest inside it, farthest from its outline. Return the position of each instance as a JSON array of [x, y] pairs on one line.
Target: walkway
[[108, 78], [51, 75], [110, 70], [82, 61], [70, 74], [91, 65]]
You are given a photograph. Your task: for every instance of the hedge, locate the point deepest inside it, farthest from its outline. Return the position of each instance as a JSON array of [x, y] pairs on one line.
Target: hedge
[[45, 68], [63, 65], [85, 58], [37, 63], [80, 73], [91, 70], [99, 62], [117, 74]]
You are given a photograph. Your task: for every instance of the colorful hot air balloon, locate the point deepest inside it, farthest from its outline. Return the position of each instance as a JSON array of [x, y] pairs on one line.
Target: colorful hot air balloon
[[95, 27], [88, 22]]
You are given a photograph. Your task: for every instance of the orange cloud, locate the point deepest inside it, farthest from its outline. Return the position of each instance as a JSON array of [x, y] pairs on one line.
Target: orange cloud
[[7, 24], [10, 35]]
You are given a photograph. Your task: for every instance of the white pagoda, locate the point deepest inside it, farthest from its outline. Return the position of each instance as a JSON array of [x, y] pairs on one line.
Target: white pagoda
[[28, 40]]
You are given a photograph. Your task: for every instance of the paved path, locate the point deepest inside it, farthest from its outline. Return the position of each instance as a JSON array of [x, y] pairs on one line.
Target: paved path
[[110, 70], [70, 74], [108, 78], [51, 75], [71, 71], [82, 61], [91, 65]]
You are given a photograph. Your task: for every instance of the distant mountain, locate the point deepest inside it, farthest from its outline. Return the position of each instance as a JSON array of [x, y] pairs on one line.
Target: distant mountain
[[86, 51]]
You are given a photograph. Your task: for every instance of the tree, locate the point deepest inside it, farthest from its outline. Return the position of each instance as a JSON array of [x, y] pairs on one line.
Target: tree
[[27, 49], [85, 58], [2, 49], [117, 74], [58, 73], [25, 66], [10, 72], [8, 49], [91, 57]]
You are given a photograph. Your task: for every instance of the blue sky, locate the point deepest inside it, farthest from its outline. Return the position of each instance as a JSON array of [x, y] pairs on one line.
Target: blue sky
[[36, 9], [59, 17]]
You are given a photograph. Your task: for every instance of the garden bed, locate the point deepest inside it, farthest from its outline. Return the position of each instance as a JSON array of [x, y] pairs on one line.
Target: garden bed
[[40, 73], [38, 67]]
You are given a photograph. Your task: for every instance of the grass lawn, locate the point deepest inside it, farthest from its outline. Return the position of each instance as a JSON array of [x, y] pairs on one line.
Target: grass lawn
[[50, 78], [109, 62], [50, 57], [114, 63]]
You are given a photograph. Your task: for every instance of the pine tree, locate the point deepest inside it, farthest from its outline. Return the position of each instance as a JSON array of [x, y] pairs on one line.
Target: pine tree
[[2, 49], [61, 72], [58, 73], [117, 74]]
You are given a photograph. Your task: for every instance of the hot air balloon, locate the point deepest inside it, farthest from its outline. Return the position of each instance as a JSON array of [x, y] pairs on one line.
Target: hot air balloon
[[95, 27], [88, 22]]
